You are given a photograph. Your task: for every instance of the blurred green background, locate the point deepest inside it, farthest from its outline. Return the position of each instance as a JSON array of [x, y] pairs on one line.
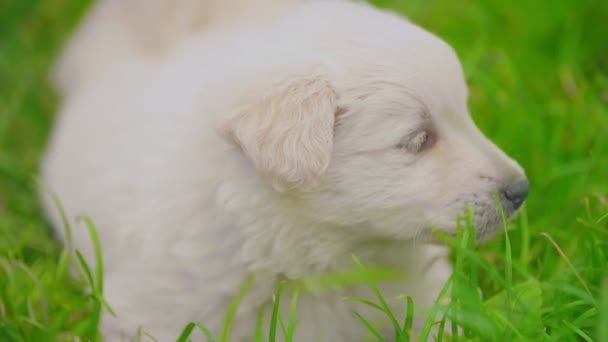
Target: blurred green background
[[538, 77]]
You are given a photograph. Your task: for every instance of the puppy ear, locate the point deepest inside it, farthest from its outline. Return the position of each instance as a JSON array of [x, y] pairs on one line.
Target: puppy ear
[[288, 134]]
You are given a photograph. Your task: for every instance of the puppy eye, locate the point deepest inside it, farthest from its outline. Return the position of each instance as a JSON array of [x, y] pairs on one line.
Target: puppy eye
[[418, 143]]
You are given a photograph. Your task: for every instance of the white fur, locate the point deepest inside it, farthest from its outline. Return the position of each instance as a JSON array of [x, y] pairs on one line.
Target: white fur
[[264, 144]]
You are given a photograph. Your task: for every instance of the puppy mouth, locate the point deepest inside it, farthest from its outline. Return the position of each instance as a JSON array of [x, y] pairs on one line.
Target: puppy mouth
[[487, 217], [490, 216]]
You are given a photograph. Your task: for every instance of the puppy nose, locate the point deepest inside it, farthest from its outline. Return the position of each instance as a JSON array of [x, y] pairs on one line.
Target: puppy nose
[[516, 192]]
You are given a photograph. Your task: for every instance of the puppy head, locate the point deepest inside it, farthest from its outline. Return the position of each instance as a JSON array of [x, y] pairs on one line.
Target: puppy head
[[383, 144]]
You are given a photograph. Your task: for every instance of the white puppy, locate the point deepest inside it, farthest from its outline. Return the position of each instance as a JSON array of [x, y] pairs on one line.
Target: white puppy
[[236, 142]]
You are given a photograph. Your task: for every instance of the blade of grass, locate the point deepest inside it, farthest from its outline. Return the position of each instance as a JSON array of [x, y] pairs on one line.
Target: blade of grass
[[384, 304], [409, 318], [349, 277], [272, 335], [508, 252], [97, 282], [366, 302], [97, 252], [96, 314], [150, 337], [233, 307], [66, 253], [441, 329], [508, 260], [282, 325], [85, 268], [291, 324], [507, 322], [458, 273], [259, 330], [183, 337], [64, 219], [430, 319], [472, 257], [578, 331], [34, 280], [567, 260], [602, 218], [369, 327], [524, 230]]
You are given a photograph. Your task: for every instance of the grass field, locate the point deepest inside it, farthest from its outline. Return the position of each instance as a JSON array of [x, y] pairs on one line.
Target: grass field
[[538, 74]]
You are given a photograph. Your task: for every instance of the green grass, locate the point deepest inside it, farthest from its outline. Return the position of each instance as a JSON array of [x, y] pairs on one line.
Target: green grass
[[538, 76]]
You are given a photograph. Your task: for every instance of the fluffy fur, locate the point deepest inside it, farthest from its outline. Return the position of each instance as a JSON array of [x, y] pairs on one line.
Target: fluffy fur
[[211, 140]]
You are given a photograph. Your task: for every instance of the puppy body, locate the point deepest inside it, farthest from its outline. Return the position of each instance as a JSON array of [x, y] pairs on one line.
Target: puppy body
[[116, 30], [275, 147]]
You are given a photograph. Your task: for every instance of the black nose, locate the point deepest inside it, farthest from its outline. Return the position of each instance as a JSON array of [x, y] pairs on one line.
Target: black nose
[[516, 192]]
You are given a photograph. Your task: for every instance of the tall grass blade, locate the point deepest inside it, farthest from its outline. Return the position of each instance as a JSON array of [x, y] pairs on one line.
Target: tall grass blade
[[291, 324], [370, 327], [409, 318], [384, 304], [233, 307], [272, 335], [183, 337]]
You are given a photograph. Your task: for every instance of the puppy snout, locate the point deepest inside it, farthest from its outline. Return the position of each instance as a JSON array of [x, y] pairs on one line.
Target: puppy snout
[[516, 192]]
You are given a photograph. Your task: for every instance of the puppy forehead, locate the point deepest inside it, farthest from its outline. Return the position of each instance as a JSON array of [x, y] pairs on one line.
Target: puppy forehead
[[382, 56], [427, 71], [391, 52]]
